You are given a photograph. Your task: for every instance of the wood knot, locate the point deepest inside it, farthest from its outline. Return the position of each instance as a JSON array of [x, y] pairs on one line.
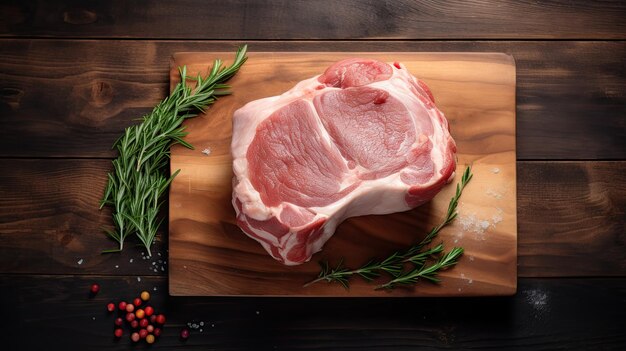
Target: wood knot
[[66, 239], [12, 97], [79, 16], [101, 93]]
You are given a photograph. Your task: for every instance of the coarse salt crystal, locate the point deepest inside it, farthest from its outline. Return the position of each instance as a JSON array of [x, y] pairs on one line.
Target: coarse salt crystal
[[80, 261], [207, 151], [138, 279], [495, 170]]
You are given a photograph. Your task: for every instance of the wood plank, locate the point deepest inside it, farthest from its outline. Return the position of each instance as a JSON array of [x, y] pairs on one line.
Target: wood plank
[[327, 19], [66, 98], [210, 256], [571, 207], [49, 219], [50, 222], [545, 314]]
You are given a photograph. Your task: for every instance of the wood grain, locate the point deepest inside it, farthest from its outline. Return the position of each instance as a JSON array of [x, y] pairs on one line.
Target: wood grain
[[569, 200], [545, 314], [326, 19], [50, 222], [69, 98], [46, 231], [210, 256]]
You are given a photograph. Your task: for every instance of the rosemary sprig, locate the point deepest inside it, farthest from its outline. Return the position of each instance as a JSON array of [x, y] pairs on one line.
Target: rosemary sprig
[[138, 181], [415, 255], [427, 272]]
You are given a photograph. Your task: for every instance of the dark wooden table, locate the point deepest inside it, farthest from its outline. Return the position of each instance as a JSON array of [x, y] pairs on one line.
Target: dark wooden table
[[73, 74]]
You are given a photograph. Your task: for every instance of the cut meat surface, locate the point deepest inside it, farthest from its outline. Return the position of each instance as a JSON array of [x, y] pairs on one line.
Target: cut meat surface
[[364, 137]]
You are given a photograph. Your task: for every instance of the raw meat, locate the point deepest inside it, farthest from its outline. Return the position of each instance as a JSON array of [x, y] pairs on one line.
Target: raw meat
[[363, 138]]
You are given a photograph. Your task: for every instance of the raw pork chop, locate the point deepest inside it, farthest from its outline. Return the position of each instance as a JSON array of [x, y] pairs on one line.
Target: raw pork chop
[[363, 138]]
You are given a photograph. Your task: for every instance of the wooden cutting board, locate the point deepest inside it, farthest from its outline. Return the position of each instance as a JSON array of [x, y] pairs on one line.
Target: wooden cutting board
[[210, 256]]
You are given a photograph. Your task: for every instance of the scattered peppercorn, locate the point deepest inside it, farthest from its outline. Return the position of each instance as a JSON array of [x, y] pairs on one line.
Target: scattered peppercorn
[[118, 332], [143, 333], [111, 307], [150, 338], [149, 310], [134, 337], [157, 332], [95, 288], [134, 324], [160, 319], [184, 333], [122, 305], [137, 302], [119, 321], [145, 295], [130, 308], [130, 317], [140, 313], [143, 323], [153, 319], [150, 328]]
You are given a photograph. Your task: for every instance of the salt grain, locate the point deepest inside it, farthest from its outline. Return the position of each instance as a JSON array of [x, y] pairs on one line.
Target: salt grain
[[117, 266], [80, 262], [155, 288], [495, 170], [207, 151], [258, 312], [138, 279], [130, 261], [494, 193], [471, 258]]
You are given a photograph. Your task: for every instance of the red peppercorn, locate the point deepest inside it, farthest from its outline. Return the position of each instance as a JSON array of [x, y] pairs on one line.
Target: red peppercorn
[[94, 288], [134, 337], [130, 317], [184, 333], [157, 332], [150, 328], [149, 311], [118, 332], [122, 305], [130, 308], [143, 333], [153, 319], [110, 307], [150, 339], [119, 321], [140, 313], [134, 324], [143, 323], [137, 302], [160, 319]]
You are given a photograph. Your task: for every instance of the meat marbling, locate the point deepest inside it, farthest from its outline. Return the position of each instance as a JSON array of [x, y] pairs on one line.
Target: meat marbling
[[365, 137]]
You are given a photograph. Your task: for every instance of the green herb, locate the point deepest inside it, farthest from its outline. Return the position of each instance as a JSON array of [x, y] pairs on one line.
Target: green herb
[[139, 178], [415, 255]]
